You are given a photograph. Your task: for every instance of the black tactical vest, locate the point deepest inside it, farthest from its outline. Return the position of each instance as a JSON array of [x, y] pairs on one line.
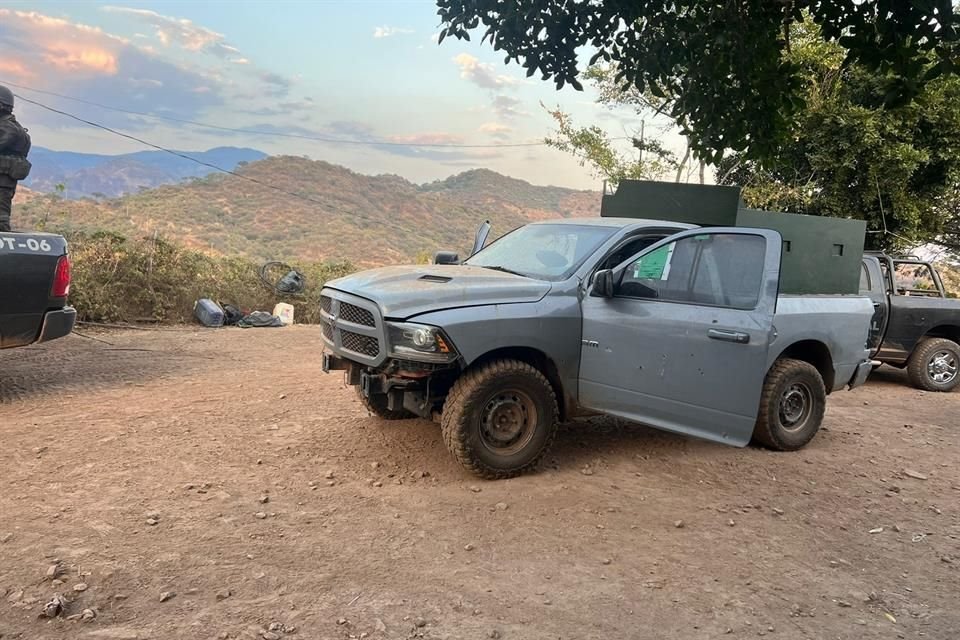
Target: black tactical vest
[[14, 147]]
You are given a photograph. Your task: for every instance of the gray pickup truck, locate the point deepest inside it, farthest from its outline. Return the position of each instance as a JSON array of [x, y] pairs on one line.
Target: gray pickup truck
[[662, 323]]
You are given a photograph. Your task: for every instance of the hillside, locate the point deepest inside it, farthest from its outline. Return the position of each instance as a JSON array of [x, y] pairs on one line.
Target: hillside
[[86, 174], [950, 274], [489, 188], [365, 219]]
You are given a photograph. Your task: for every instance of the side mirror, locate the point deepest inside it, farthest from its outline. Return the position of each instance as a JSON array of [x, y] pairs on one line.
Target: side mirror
[[481, 238], [446, 257], [602, 284]]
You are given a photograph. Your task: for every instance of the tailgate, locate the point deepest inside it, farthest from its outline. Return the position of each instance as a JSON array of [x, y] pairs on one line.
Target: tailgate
[[28, 262]]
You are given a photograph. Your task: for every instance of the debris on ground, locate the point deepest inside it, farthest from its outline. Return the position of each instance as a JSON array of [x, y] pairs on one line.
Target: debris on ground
[[55, 606], [259, 319]]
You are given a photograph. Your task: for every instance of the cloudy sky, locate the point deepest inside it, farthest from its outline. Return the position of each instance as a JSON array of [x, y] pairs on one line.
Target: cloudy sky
[[357, 70]]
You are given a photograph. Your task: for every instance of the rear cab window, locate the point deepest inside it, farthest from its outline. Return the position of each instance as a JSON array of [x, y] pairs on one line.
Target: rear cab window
[[914, 279]]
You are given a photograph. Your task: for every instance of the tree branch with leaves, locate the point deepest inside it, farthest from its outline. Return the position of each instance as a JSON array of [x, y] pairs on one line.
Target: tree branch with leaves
[[723, 63]]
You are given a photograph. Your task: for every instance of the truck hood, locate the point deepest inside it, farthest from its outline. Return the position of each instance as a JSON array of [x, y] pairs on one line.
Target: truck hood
[[404, 292]]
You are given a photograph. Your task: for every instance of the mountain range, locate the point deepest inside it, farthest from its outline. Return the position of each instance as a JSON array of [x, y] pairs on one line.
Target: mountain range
[[102, 176], [292, 208]]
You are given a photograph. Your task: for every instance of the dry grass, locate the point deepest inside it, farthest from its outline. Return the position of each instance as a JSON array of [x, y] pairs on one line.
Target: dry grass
[[116, 279]]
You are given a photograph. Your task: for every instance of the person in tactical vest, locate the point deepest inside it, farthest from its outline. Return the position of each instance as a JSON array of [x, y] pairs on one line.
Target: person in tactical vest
[[14, 146]]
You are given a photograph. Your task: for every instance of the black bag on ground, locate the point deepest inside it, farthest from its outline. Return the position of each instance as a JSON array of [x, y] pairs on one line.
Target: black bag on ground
[[259, 319], [231, 314]]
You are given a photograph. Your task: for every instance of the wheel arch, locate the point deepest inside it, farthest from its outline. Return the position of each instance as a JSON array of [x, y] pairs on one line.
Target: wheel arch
[[537, 359], [816, 353], [948, 331]]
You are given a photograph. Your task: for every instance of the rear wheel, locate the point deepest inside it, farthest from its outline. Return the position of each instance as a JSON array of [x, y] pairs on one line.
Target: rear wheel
[[500, 419], [935, 365], [377, 405], [792, 405]]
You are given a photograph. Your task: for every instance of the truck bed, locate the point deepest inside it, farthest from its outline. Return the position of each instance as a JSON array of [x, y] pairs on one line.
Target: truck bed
[[838, 321], [30, 310]]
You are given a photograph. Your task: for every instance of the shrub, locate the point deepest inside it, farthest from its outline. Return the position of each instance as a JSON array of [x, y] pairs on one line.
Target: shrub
[[116, 279]]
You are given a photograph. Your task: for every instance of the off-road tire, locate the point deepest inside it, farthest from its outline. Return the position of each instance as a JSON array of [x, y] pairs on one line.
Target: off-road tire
[[920, 359], [377, 405], [784, 376], [472, 395]]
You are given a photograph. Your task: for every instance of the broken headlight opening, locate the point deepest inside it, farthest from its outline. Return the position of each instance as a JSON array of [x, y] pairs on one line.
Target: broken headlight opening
[[411, 341]]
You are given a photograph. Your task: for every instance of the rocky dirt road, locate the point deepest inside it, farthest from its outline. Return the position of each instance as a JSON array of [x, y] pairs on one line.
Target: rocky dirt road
[[215, 484]]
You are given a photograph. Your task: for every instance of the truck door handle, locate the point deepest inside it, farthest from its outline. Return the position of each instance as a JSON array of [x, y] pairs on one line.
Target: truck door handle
[[730, 336]]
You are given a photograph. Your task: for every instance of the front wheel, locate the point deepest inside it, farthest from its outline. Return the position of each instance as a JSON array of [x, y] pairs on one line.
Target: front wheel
[[499, 419], [792, 405], [935, 365]]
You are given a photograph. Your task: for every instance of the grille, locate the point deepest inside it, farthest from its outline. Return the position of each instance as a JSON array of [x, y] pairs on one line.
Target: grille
[[357, 343], [326, 303], [356, 315], [327, 331]]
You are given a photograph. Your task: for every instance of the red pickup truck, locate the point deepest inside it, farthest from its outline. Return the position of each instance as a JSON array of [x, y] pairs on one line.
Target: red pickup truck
[[34, 285]]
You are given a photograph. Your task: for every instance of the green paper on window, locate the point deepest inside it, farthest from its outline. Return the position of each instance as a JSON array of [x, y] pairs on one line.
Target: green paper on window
[[651, 266]]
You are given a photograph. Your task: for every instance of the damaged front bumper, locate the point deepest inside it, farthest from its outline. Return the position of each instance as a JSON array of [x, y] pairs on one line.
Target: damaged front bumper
[[417, 387]]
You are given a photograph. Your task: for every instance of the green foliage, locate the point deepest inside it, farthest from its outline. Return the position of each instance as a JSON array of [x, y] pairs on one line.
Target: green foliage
[[121, 280], [851, 154], [591, 145], [720, 66]]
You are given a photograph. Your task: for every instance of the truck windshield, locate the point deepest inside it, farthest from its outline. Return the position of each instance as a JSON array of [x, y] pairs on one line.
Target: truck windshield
[[543, 251]]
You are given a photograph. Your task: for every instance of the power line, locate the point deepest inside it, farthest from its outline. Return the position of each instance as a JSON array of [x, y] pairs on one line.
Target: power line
[[178, 154], [371, 143]]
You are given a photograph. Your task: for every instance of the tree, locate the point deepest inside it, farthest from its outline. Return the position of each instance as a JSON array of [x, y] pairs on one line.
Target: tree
[[649, 158], [849, 154], [591, 145], [720, 64]]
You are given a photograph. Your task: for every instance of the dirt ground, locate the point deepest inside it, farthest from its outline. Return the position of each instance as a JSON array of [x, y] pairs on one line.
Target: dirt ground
[[224, 470]]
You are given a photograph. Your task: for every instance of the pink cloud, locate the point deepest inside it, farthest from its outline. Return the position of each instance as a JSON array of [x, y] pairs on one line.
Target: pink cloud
[[168, 30], [67, 46]]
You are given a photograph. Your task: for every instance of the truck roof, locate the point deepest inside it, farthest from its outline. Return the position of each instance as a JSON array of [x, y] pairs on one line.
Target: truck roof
[[620, 223]]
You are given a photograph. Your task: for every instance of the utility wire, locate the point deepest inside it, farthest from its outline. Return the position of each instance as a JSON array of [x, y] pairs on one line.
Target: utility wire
[[182, 155], [372, 143]]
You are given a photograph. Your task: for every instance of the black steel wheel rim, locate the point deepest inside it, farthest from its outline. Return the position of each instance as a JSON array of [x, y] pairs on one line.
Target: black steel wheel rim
[[796, 405], [508, 421]]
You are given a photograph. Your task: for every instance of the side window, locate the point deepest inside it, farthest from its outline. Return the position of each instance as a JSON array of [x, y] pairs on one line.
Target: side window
[[719, 269], [864, 278], [914, 279], [631, 248]]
